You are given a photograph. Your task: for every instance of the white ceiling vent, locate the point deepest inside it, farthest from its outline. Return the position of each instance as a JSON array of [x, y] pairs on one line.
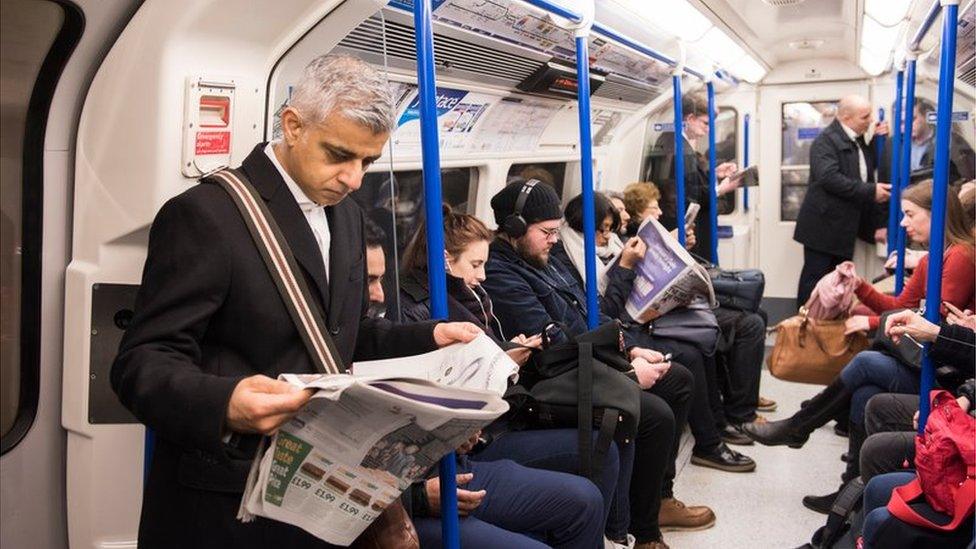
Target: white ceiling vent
[[782, 3], [807, 44]]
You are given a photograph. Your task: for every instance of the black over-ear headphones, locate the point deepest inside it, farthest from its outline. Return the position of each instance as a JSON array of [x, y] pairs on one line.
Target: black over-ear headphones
[[515, 225]]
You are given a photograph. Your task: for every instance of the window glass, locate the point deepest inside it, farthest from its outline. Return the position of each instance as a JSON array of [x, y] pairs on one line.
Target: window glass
[[657, 161], [27, 30], [397, 207], [802, 123], [553, 173]]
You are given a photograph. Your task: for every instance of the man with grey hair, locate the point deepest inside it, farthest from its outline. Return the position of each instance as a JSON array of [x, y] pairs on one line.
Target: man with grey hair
[[210, 335], [842, 193]]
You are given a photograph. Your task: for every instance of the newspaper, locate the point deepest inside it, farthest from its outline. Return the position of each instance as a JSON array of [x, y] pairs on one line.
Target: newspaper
[[479, 364], [667, 278], [354, 448]]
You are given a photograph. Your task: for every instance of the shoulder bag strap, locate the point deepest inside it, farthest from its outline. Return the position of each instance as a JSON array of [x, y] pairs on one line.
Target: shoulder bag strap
[[584, 408], [277, 255], [903, 495]]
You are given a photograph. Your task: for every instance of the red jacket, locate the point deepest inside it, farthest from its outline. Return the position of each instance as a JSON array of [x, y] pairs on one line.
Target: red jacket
[[958, 286]]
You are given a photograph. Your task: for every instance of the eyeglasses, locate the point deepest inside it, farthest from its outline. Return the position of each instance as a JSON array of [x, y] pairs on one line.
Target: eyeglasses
[[550, 233]]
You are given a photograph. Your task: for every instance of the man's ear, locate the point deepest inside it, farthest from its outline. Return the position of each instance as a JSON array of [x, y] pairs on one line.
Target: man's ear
[[292, 126]]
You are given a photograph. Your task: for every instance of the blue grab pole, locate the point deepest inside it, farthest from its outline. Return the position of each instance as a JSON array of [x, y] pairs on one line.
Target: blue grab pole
[[586, 170], [427, 85], [940, 188], [906, 167], [879, 144], [679, 160], [894, 209], [712, 176], [745, 159]]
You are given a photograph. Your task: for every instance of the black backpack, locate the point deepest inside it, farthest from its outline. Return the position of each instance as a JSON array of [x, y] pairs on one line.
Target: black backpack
[[584, 383]]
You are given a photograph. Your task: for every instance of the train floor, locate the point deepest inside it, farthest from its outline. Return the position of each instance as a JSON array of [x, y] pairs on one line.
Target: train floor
[[763, 509]]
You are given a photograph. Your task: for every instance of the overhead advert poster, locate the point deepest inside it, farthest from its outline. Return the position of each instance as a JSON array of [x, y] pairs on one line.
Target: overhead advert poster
[[514, 125], [458, 113], [611, 57], [509, 21]]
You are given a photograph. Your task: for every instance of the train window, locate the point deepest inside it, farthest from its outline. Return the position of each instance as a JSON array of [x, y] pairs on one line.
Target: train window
[[802, 123], [36, 40], [726, 139], [553, 173], [380, 197]]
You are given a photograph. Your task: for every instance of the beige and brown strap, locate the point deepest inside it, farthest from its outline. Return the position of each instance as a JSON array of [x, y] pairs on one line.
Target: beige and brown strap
[[271, 243]]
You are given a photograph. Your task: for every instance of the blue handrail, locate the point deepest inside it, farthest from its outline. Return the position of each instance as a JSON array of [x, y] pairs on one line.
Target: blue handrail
[[641, 48], [879, 144], [894, 209], [745, 159], [556, 9], [679, 160], [906, 168], [927, 23], [427, 89], [586, 170], [940, 189], [712, 177]]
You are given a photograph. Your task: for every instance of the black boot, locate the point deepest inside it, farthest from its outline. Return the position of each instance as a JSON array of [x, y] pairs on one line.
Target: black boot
[[795, 431], [822, 504]]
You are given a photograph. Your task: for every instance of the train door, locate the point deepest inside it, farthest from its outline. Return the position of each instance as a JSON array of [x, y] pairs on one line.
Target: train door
[[791, 118]]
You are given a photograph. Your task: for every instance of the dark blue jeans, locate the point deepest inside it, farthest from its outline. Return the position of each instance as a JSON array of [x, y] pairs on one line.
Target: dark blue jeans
[[525, 507], [870, 373], [882, 530]]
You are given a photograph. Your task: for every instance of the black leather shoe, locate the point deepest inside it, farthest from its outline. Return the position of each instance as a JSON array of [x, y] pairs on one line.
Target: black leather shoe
[[732, 434], [724, 458], [775, 433], [820, 504], [841, 430]]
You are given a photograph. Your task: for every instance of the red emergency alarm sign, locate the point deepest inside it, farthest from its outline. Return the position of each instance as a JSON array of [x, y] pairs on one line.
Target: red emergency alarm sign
[[213, 143]]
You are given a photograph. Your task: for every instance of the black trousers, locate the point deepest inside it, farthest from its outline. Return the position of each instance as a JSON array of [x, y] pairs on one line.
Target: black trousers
[[676, 388], [815, 266], [740, 359], [890, 445], [706, 398]]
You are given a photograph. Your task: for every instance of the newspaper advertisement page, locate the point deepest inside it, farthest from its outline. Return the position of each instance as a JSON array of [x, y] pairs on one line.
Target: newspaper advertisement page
[[479, 364], [354, 448], [667, 278]]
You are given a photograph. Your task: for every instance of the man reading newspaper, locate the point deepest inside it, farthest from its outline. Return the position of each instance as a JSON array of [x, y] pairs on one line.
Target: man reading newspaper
[[210, 334]]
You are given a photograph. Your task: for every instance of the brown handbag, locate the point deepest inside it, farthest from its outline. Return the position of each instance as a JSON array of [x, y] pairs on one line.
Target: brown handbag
[[812, 351]]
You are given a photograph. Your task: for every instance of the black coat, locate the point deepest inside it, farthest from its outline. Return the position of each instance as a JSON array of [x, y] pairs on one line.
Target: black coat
[[696, 189], [463, 304], [838, 205], [207, 315]]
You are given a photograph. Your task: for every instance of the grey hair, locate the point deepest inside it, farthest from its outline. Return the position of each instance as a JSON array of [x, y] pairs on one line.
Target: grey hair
[[348, 86]]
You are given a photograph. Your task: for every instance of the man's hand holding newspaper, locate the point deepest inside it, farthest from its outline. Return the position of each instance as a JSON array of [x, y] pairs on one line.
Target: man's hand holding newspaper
[[667, 278], [362, 439]]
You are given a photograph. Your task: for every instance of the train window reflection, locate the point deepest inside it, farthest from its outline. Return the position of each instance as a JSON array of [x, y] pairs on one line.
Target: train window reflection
[[29, 29], [553, 173], [802, 123]]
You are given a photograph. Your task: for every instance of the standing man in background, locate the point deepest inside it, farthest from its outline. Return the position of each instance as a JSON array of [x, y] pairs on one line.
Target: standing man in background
[[841, 189]]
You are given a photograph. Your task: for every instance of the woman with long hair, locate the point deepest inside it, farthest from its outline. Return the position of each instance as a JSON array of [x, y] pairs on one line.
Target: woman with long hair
[[872, 372]]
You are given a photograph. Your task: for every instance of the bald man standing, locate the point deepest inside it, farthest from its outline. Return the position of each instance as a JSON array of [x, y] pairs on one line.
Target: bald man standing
[[841, 190]]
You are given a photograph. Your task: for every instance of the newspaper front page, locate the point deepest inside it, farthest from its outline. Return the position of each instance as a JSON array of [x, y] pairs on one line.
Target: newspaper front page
[[667, 278], [357, 444]]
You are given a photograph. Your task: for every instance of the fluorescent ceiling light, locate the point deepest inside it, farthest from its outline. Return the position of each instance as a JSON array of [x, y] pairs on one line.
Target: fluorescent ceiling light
[[719, 47], [878, 38], [873, 63], [675, 17], [887, 12], [748, 69]]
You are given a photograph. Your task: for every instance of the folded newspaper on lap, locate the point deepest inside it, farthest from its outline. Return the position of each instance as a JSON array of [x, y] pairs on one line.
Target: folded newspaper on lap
[[667, 278], [354, 448], [479, 364]]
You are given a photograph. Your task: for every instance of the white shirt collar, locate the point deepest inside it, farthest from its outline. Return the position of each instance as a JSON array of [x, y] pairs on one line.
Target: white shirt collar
[[850, 133], [304, 202]]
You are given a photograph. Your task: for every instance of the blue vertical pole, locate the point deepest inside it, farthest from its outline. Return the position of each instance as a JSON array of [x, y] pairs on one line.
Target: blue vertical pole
[[679, 160], [712, 176], [906, 166], [943, 131], [894, 204], [450, 532], [879, 145], [586, 170], [745, 159]]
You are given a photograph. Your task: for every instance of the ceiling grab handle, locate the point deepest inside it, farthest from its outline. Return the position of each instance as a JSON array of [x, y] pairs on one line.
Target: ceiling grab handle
[[940, 190]]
